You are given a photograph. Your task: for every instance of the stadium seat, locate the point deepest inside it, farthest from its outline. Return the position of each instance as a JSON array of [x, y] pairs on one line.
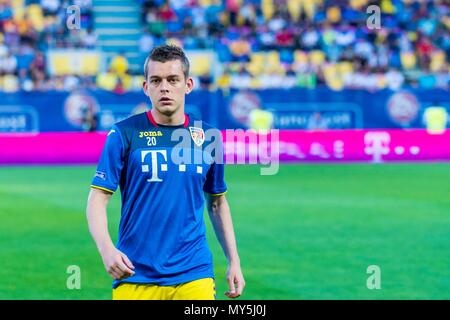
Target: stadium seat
[[306, 80], [310, 7], [300, 57], [427, 81], [205, 3], [106, 81], [273, 63], [267, 9], [200, 65], [223, 52], [334, 14], [240, 49], [286, 56], [387, 7], [18, 9], [174, 26], [332, 76], [437, 60], [256, 64], [358, 4], [226, 35], [223, 81], [345, 67], [255, 83], [90, 64], [235, 67], [408, 60], [119, 65], [127, 81], [294, 8], [316, 57], [9, 83], [61, 64], [36, 17], [137, 81]]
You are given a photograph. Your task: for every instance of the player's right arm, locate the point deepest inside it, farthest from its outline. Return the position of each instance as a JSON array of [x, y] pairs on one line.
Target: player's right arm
[[104, 184], [116, 262]]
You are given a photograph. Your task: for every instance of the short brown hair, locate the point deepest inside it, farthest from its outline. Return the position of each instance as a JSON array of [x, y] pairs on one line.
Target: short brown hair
[[167, 52]]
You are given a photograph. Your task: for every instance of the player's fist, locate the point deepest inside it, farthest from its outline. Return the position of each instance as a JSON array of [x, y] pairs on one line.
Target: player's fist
[[117, 264], [236, 282]]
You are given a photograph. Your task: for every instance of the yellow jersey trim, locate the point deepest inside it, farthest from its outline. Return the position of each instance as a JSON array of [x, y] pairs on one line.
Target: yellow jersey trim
[[218, 194], [101, 188]]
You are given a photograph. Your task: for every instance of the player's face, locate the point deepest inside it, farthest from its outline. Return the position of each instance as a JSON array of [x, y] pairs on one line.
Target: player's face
[[166, 86]]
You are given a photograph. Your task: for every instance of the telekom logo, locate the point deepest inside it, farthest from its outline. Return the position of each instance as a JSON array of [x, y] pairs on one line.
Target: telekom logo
[[161, 167], [377, 145], [154, 159]]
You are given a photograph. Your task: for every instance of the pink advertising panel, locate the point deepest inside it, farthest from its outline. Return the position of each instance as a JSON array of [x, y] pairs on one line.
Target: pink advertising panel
[[362, 145], [244, 147]]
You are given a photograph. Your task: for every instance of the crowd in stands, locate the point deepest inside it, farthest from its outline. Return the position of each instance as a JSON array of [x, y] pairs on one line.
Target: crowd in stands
[[304, 43], [258, 43], [28, 28]]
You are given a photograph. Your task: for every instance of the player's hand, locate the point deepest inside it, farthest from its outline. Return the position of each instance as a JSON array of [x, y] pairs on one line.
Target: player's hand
[[236, 282], [117, 264]]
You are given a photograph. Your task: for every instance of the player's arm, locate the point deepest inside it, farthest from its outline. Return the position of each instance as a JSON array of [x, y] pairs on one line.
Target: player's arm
[[104, 184], [219, 213], [116, 263]]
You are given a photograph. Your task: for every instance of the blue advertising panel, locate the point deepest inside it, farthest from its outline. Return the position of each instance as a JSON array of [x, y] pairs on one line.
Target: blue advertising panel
[[58, 111], [322, 108], [319, 108]]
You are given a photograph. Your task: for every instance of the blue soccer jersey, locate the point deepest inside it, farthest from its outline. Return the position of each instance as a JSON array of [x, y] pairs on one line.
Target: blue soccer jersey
[[163, 172]]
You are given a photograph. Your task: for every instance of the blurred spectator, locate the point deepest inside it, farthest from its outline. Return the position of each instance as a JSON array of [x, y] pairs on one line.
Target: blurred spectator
[[119, 64], [206, 81], [50, 7], [166, 13], [89, 120], [8, 63], [88, 39], [435, 118], [317, 42], [37, 68], [29, 29]]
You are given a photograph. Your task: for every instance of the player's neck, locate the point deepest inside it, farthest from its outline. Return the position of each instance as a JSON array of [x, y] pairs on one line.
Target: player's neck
[[175, 119]]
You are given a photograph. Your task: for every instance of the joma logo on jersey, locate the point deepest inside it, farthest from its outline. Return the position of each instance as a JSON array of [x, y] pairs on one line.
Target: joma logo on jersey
[[157, 166], [143, 134]]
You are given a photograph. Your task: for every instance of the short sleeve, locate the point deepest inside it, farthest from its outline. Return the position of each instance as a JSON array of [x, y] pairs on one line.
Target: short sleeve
[[215, 183], [109, 168], [215, 180]]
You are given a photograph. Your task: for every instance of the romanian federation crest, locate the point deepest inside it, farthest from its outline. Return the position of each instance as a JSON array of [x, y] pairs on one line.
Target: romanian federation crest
[[198, 135]]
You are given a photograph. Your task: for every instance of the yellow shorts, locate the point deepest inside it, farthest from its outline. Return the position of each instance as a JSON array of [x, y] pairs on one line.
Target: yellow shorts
[[202, 289]]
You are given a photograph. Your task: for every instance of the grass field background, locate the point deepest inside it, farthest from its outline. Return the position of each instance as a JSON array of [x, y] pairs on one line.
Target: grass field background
[[309, 232]]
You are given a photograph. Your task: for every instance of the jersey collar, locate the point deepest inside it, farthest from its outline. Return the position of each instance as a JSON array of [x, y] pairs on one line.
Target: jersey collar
[[153, 122]]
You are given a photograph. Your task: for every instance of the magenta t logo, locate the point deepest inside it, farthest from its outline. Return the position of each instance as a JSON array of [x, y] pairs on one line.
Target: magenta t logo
[[377, 145]]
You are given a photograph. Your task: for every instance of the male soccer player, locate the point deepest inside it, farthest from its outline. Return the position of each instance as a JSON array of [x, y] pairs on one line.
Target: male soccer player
[[162, 251]]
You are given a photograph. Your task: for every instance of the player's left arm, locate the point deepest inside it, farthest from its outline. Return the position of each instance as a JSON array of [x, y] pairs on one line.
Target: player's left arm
[[219, 213]]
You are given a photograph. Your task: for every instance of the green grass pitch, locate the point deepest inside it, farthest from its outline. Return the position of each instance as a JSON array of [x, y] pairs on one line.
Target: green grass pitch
[[309, 232]]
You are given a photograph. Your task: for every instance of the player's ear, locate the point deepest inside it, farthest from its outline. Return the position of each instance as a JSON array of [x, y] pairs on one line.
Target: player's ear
[[145, 87], [189, 85]]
